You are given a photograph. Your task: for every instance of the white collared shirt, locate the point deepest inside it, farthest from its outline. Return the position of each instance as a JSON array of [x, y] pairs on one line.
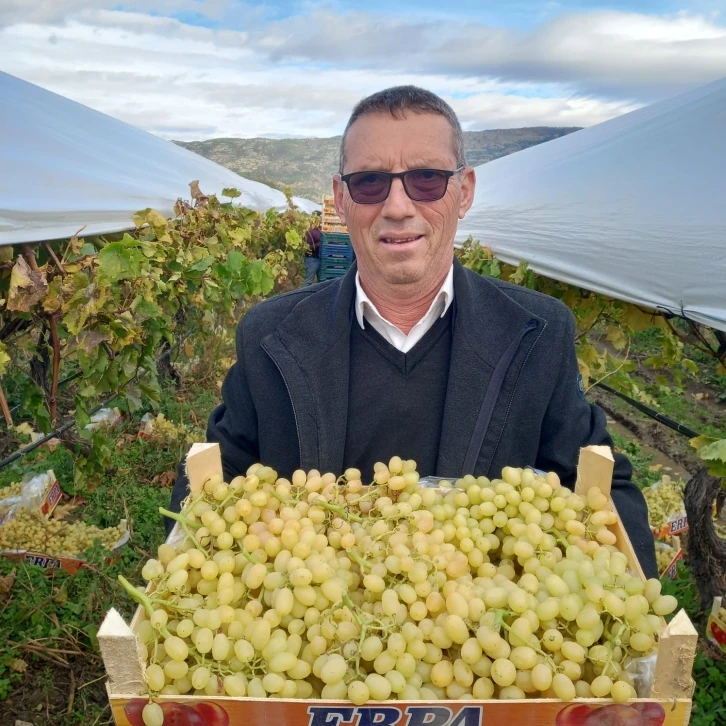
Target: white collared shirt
[[366, 311]]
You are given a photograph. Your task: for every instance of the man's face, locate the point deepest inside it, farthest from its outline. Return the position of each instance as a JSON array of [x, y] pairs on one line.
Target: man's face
[[399, 241]]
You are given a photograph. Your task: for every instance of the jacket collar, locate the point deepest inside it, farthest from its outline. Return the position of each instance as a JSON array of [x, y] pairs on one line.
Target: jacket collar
[[311, 347]]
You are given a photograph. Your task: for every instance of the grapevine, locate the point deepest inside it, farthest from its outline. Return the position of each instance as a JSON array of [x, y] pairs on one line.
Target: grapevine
[[321, 587]]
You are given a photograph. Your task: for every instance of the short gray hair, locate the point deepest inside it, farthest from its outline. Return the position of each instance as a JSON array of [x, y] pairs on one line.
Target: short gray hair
[[399, 99]]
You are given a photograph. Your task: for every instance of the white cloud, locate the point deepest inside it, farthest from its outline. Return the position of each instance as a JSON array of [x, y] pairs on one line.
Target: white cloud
[[302, 76]]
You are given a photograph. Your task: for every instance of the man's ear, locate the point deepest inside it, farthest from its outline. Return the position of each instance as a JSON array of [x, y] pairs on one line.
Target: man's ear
[[468, 187], [338, 192]]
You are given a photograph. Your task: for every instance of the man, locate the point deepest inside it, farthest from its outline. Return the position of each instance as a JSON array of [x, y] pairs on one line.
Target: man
[[411, 354], [312, 253]]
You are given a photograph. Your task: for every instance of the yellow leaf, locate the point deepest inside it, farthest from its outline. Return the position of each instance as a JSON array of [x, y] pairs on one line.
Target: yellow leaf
[[617, 337], [27, 286], [24, 428], [584, 372], [637, 320]]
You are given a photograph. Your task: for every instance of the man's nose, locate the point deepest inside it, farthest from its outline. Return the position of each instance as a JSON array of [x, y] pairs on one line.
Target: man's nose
[[398, 204]]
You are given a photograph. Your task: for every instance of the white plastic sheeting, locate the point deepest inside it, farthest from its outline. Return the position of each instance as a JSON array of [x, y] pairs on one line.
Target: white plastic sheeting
[[64, 166], [633, 208]]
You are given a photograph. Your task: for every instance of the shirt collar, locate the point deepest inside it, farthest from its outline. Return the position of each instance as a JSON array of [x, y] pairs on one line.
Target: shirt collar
[[363, 303]]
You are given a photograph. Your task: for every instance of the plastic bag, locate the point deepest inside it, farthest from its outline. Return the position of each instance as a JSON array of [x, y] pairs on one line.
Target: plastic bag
[[32, 494], [642, 674]]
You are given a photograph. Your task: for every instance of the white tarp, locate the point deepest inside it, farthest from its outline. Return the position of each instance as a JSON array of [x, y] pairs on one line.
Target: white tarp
[[634, 208], [64, 166]]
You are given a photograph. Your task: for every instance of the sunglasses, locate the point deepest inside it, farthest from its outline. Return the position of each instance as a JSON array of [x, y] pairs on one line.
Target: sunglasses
[[421, 185]]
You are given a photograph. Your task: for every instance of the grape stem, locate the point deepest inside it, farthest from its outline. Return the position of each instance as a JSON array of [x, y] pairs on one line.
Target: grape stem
[[281, 499], [358, 560], [142, 599], [353, 610], [180, 518], [338, 510]]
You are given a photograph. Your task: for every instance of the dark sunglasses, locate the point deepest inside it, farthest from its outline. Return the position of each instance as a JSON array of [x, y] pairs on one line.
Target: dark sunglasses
[[421, 185]]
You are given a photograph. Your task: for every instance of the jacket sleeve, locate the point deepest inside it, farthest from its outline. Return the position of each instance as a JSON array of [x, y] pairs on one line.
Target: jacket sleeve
[[232, 424], [570, 423]]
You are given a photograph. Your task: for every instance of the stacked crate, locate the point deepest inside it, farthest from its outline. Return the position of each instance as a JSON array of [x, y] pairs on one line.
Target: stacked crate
[[330, 221], [336, 251], [336, 255]]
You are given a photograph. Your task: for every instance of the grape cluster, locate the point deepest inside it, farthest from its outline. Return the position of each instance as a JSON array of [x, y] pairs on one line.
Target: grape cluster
[[30, 530], [664, 500], [318, 587], [664, 554], [13, 490]]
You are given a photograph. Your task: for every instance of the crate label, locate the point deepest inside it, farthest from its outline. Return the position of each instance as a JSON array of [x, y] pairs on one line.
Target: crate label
[[52, 499], [225, 711], [677, 524], [716, 632], [672, 570], [42, 561]]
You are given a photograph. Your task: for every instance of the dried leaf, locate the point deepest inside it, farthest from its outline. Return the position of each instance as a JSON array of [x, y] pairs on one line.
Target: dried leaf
[[63, 510], [701, 396], [655, 467], [52, 444], [165, 479], [27, 286], [19, 665], [7, 582]]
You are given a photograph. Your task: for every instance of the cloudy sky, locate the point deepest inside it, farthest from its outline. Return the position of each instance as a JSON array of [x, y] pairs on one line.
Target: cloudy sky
[[195, 69]]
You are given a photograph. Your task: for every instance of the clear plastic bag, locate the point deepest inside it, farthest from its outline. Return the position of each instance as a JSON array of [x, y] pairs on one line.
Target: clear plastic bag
[[32, 494], [642, 674]]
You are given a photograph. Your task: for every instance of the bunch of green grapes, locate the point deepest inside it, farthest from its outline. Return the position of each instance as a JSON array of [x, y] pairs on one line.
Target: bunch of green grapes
[[664, 501], [664, 555], [320, 587], [30, 530], [13, 490]]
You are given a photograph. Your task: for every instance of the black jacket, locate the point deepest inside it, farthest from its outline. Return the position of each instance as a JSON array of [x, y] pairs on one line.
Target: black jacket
[[513, 395]]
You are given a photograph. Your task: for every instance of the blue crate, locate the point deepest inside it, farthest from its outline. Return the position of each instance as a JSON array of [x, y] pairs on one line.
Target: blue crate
[[337, 252], [334, 238], [330, 274], [333, 267]]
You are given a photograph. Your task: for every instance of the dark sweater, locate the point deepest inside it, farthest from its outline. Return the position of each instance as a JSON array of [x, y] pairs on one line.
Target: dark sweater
[[512, 396], [396, 400]]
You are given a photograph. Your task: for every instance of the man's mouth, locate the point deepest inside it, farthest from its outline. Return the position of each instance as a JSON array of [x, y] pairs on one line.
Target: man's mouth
[[400, 240]]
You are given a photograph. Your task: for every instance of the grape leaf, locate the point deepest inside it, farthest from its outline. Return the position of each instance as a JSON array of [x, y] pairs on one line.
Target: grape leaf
[[27, 286], [4, 358], [119, 261], [235, 260], [715, 451], [616, 336]]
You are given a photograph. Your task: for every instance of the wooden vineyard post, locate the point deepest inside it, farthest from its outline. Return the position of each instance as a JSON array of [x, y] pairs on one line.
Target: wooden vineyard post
[[676, 652], [121, 657]]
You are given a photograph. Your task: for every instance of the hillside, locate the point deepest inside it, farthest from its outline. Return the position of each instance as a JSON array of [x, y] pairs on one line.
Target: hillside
[[307, 165]]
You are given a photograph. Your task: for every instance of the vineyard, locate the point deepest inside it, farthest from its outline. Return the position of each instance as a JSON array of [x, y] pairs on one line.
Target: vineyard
[[112, 354]]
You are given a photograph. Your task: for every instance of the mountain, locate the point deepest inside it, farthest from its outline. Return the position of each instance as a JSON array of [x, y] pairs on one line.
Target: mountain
[[307, 165]]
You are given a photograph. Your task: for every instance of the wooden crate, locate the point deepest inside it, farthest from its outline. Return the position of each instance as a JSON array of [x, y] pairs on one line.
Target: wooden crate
[[668, 705]]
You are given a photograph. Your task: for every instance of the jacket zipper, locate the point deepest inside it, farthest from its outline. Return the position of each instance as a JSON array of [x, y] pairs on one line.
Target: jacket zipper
[[491, 397], [511, 398], [292, 403]]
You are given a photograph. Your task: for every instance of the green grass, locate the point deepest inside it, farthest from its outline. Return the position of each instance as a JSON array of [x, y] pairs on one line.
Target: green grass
[[642, 475], [679, 404]]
